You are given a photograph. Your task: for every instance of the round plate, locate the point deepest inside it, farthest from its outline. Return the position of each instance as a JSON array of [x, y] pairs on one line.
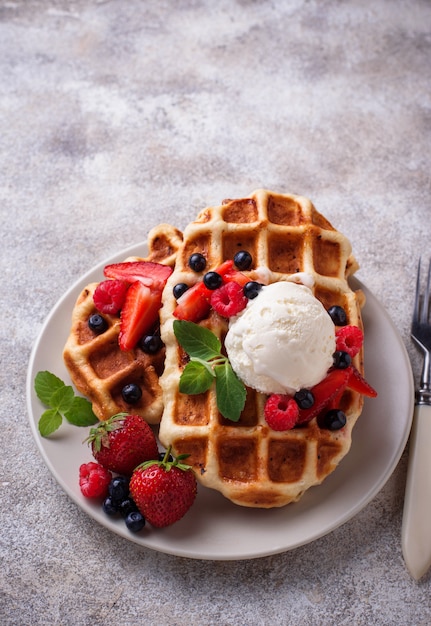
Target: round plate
[[215, 528]]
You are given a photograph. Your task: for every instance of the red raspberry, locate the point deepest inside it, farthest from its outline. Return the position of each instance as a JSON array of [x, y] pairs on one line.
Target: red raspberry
[[229, 299], [349, 339], [109, 296], [281, 412], [94, 480]]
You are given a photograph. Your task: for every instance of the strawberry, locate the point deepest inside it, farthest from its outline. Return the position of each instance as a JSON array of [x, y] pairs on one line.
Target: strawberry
[[151, 274], [324, 392], [358, 383], [139, 314], [94, 480], [194, 304], [122, 443], [163, 490]]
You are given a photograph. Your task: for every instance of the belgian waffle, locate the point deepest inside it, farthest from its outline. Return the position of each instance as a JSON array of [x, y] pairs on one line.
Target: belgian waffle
[[97, 366], [248, 462]]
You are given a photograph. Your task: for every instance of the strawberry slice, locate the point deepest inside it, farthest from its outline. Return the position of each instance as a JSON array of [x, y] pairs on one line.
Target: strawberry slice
[[139, 313], [324, 392], [230, 274], [358, 383], [194, 304], [150, 273]]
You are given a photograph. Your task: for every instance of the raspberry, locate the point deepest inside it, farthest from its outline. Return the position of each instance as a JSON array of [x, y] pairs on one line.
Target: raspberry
[[229, 299], [281, 412], [109, 296], [349, 339], [94, 480]]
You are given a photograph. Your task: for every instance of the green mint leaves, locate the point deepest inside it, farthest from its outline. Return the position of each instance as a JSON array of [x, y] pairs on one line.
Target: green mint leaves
[[62, 402], [206, 364]]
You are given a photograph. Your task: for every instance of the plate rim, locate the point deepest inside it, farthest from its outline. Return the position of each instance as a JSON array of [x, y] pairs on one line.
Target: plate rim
[[117, 526]]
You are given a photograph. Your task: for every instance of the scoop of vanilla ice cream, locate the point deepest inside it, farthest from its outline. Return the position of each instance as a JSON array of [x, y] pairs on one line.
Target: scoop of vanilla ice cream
[[282, 341]]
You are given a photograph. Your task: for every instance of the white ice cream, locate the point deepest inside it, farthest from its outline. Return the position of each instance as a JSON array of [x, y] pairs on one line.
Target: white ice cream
[[282, 341]]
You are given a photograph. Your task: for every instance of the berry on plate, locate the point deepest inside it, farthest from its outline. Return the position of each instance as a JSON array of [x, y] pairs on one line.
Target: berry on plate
[[281, 412], [229, 300], [151, 274], [109, 296], [94, 480], [139, 314], [122, 443], [163, 490], [349, 339]]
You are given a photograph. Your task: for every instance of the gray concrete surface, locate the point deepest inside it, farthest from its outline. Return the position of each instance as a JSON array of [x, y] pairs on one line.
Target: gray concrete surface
[[118, 115]]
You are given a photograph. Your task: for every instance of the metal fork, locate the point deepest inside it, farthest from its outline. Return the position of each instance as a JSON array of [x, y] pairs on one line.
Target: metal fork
[[416, 525]]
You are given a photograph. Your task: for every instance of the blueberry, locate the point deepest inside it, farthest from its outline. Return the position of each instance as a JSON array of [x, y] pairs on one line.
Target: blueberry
[[131, 393], [179, 289], [243, 260], [197, 262], [127, 506], [110, 507], [338, 315], [212, 280], [97, 323], [150, 344], [332, 420], [135, 521], [342, 360], [251, 289], [118, 489], [304, 398]]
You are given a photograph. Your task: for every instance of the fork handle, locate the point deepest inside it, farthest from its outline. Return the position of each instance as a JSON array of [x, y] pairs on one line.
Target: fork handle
[[416, 525]]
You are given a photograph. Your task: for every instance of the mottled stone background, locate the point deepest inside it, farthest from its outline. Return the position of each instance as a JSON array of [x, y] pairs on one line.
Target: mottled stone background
[[117, 115]]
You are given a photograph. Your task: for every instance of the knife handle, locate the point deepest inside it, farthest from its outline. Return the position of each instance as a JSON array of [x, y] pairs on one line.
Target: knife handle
[[416, 526]]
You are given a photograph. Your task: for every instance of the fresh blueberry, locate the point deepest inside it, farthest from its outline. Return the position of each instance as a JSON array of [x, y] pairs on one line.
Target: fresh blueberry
[[97, 323], [110, 507], [342, 360], [118, 489], [197, 262], [243, 260], [251, 289], [131, 393], [179, 289], [338, 315], [135, 521], [213, 280], [304, 398], [127, 506], [332, 420], [150, 344]]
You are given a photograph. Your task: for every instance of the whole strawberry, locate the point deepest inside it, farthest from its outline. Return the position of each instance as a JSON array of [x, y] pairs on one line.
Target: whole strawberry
[[163, 490], [123, 442]]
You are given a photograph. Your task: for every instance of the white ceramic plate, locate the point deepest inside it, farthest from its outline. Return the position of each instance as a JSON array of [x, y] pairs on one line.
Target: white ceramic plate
[[214, 528]]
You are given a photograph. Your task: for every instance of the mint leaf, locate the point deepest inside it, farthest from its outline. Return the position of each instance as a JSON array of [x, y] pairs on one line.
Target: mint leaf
[[80, 413], [196, 340], [196, 378], [230, 391], [45, 384], [49, 422], [61, 402]]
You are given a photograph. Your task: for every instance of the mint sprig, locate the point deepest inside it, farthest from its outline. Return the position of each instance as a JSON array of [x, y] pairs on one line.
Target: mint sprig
[[207, 364], [61, 402]]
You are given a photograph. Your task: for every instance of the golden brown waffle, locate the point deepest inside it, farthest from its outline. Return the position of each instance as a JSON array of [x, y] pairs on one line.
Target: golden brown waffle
[[97, 366], [248, 462]]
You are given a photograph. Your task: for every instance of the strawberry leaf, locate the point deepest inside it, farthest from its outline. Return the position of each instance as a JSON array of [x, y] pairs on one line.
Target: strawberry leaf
[[196, 378], [197, 341], [231, 393]]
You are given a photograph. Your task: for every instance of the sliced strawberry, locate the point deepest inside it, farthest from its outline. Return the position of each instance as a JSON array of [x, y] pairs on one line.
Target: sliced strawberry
[[358, 383], [194, 304], [151, 274], [139, 313], [324, 392], [230, 274]]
